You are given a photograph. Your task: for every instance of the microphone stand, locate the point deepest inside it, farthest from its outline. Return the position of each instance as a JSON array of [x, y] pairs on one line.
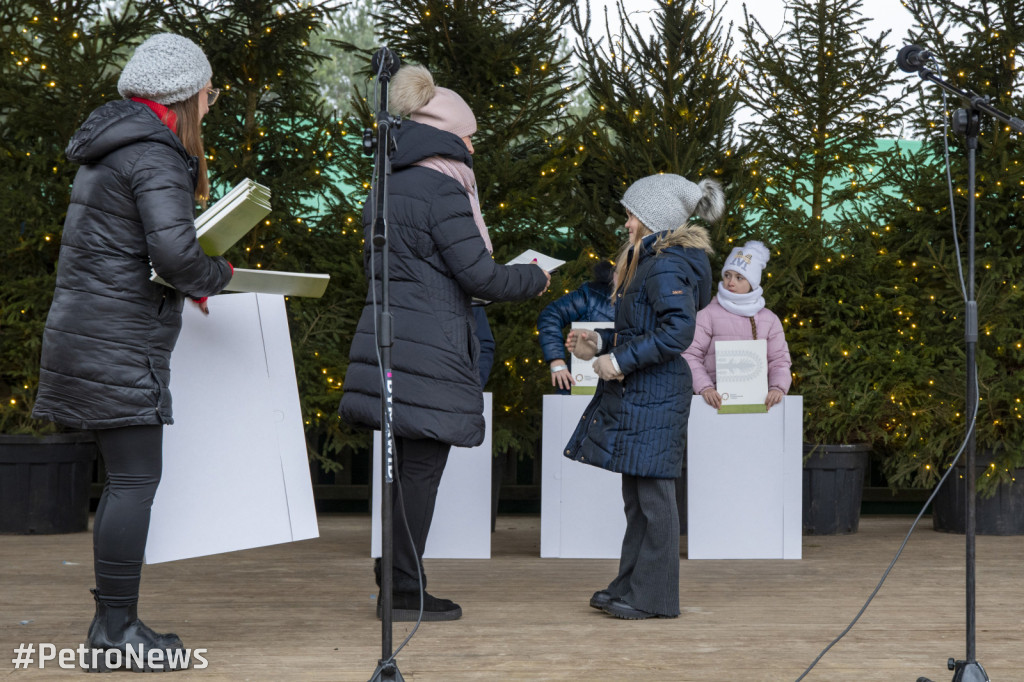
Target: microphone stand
[[384, 64], [967, 122]]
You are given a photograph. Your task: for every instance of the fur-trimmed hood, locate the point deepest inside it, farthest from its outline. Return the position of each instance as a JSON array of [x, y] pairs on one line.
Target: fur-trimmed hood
[[679, 241], [689, 236]]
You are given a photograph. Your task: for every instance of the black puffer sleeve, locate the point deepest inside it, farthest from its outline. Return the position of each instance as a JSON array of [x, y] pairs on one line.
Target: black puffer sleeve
[[460, 245], [165, 204]]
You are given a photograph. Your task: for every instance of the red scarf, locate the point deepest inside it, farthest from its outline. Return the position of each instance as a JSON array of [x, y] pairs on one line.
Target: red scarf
[[163, 113]]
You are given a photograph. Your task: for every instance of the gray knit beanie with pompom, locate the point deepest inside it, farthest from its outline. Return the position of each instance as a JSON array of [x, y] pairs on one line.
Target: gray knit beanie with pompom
[[666, 201], [166, 68]]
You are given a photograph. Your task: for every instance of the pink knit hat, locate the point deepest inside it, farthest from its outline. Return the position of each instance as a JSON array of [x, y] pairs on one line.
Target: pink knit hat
[[414, 94]]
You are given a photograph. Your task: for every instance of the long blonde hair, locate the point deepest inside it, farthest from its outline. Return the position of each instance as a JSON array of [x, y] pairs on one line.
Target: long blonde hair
[[190, 131], [625, 267]]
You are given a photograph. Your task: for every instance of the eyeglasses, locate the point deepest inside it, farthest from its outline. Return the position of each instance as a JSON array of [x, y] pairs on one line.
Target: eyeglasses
[[211, 96]]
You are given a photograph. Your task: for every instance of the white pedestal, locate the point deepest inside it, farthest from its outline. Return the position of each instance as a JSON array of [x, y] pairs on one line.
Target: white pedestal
[[235, 467], [461, 527], [581, 514], [744, 476], [744, 486]]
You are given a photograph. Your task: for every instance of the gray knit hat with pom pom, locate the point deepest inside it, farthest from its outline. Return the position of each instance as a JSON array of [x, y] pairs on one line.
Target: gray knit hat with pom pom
[[666, 201], [167, 68]]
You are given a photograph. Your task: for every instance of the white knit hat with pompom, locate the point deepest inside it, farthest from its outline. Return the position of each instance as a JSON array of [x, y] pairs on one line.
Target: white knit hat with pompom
[[748, 260]]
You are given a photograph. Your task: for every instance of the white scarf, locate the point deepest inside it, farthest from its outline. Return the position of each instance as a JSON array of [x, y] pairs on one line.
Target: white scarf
[[464, 175], [747, 305]]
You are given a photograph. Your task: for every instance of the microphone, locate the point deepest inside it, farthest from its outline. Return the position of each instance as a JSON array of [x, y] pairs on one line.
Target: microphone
[[912, 58], [385, 62]]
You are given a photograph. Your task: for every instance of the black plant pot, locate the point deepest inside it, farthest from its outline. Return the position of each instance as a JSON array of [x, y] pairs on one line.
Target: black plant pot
[[44, 483], [1001, 514], [833, 487]]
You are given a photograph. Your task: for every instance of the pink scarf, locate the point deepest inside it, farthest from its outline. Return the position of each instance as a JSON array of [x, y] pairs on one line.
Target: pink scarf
[[462, 174]]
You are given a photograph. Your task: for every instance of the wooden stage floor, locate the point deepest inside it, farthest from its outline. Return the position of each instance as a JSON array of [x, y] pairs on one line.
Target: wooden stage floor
[[305, 611]]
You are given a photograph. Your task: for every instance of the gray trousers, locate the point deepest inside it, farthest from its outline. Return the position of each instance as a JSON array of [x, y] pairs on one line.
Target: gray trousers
[[649, 565]]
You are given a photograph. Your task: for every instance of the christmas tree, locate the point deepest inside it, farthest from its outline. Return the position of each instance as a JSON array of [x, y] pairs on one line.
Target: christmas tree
[[344, 35], [976, 46], [663, 98], [817, 96], [58, 65], [272, 125]]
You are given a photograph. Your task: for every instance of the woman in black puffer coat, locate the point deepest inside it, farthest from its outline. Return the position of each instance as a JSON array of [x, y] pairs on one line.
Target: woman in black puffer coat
[[636, 423], [439, 261], [110, 331]]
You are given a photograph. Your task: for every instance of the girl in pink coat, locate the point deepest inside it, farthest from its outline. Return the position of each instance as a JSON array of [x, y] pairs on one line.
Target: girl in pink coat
[[737, 313]]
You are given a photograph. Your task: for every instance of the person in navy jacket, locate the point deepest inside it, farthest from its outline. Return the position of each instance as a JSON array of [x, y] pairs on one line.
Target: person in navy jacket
[[592, 302], [636, 423]]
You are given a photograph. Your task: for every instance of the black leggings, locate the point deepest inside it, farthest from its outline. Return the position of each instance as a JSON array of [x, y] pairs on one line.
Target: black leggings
[[133, 456]]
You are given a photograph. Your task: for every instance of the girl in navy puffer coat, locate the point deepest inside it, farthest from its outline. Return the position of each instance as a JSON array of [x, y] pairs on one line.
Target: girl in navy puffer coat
[[636, 423]]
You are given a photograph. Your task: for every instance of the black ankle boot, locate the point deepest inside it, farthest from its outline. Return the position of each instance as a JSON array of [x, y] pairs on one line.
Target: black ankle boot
[[116, 627], [401, 582], [405, 607]]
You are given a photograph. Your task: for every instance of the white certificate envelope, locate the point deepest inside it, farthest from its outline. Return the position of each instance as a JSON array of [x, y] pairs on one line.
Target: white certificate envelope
[[741, 371], [530, 256], [220, 226], [583, 370]]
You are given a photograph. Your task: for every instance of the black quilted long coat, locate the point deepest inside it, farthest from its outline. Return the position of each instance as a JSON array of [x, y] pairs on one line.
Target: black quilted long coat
[[110, 330], [438, 263]]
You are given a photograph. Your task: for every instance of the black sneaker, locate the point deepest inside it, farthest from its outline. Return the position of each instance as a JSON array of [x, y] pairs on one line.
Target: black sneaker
[[405, 607]]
